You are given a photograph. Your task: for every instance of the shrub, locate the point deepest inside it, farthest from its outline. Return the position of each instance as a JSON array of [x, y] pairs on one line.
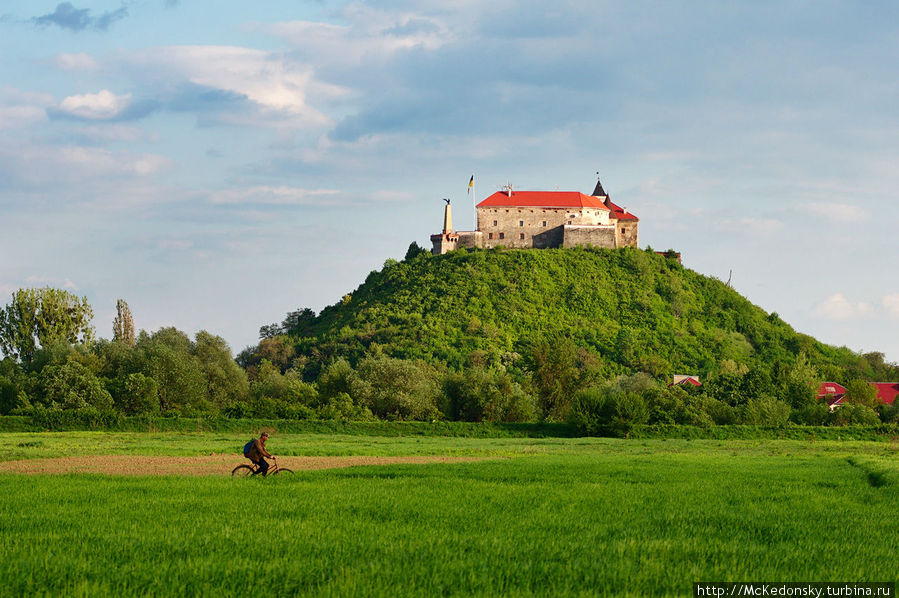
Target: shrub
[[135, 394], [592, 411], [766, 411], [816, 414], [342, 408], [630, 409], [73, 386], [8, 394], [860, 392], [395, 389], [481, 395], [854, 414]]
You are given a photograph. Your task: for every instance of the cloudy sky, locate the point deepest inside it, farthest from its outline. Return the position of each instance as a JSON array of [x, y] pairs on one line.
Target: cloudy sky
[[218, 164]]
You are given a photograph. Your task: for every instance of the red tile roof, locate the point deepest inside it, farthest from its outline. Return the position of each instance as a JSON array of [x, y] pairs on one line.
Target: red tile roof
[[831, 388], [543, 199], [834, 390], [689, 380], [619, 212], [886, 391]]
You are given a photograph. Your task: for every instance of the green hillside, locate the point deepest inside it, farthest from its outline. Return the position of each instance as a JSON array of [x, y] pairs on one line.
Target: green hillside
[[626, 310]]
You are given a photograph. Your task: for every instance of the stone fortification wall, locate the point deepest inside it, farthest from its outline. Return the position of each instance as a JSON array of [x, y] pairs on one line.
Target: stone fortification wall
[[470, 239], [594, 236], [626, 233], [533, 227]]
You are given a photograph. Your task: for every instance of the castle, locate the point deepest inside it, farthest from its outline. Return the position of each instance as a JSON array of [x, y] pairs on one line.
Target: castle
[[542, 219]]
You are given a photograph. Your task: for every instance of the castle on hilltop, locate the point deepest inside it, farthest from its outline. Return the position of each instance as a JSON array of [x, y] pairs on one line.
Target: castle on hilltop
[[542, 219]]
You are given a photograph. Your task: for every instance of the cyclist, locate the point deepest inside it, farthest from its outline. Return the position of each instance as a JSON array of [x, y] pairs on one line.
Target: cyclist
[[257, 453]]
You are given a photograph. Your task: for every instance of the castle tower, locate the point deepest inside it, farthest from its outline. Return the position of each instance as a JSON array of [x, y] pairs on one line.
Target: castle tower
[[447, 240]]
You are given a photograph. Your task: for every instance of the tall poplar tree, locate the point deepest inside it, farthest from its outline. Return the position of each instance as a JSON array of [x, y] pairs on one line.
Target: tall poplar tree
[[123, 324]]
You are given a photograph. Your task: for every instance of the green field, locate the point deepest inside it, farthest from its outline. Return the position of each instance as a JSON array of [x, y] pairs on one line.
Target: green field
[[539, 517]]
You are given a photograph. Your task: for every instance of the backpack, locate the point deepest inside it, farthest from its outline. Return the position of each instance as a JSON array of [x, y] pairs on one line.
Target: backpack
[[247, 447]]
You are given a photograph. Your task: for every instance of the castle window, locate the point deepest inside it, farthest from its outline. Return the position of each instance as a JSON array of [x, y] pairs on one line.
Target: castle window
[[521, 223], [502, 235], [622, 231], [521, 236], [544, 223], [494, 223], [489, 235]]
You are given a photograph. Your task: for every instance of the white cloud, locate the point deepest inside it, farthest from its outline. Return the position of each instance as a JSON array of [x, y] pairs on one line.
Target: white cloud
[[891, 304], [103, 105], [28, 165], [19, 109], [371, 36], [175, 244], [76, 62], [838, 307], [836, 213], [764, 226], [266, 79], [20, 116], [48, 281], [274, 196]]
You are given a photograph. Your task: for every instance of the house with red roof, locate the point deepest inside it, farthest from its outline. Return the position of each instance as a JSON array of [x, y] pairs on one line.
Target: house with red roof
[[685, 380], [544, 219], [834, 393], [886, 391]]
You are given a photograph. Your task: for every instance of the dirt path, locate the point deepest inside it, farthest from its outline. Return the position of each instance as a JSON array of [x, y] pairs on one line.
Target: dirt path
[[204, 465]]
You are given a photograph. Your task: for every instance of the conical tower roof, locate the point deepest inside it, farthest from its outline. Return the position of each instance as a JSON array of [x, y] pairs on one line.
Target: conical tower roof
[[599, 191]]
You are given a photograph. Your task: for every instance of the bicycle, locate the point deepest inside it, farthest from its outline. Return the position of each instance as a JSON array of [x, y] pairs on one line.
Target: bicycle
[[245, 471]]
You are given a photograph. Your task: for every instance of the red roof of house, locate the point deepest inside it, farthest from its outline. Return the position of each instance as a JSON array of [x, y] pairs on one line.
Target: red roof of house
[[619, 212], [886, 391], [831, 388], [689, 380], [543, 199]]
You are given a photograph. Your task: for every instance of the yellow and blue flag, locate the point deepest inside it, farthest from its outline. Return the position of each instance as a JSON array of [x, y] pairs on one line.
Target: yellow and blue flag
[[470, 183]]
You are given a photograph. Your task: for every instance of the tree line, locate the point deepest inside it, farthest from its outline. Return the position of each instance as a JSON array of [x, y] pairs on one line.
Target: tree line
[[53, 361]]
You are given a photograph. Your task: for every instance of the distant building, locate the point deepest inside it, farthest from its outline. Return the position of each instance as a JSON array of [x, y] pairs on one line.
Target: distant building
[[886, 392], [833, 392], [685, 380], [543, 219]]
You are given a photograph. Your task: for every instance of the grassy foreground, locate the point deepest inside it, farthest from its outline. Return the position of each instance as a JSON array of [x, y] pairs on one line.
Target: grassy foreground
[[559, 517]]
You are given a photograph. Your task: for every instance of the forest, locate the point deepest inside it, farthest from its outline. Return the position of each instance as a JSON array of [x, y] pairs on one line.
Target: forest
[[586, 336]]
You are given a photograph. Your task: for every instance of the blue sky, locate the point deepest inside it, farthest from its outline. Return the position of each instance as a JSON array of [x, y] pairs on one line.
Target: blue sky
[[218, 164]]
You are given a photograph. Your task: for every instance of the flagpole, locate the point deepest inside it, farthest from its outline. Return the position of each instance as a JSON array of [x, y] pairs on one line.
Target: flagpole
[[474, 204]]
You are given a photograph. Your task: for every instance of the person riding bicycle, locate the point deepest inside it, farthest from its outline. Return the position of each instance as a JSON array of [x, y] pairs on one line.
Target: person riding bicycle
[[257, 453]]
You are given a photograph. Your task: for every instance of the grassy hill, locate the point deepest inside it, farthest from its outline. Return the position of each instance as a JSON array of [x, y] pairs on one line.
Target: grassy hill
[[625, 310]]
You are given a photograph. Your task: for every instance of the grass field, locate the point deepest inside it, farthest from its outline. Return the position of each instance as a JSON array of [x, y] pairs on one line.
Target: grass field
[[552, 517]]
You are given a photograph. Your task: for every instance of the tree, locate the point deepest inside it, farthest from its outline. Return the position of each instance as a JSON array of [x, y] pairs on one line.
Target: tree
[[414, 251], [395, 389], [296, 322], [41, 317], [555, 374], [226, 383], [860, 392], [123, 324], [72, 386]]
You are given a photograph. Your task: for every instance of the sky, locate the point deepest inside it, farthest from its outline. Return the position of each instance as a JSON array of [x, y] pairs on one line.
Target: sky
[[219, 164]]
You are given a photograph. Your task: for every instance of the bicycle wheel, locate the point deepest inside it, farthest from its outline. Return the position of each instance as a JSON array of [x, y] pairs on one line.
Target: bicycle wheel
[[242, 471], [283, 470]]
